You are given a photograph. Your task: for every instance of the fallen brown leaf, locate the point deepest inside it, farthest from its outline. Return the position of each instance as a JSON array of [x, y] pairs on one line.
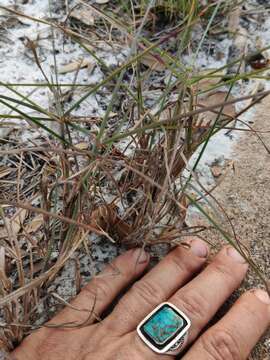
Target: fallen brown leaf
[[34, 224], [75, 65], [102, 1], [216, 170], [209, 80], [17, 220], [151, 62], [105, 217], [15, 223], [82, 146], [234, 20], [84, 15], [207, 118]]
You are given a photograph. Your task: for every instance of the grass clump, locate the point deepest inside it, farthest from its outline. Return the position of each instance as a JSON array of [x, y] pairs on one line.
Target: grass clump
[[119, 173]]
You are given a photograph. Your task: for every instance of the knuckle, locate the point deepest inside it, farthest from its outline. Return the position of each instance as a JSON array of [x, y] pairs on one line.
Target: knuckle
[[103, 289], [257, 318], [224, 270], [219, 344], [184, 266], [100, 291], [185, 261], [149, 292], [89, 291], [52, 346], [195, 304]]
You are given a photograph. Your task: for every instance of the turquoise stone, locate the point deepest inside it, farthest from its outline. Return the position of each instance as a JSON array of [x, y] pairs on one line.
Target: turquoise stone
[[163, 325]]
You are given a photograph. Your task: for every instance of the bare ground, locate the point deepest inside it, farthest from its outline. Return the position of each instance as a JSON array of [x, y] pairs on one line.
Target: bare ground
[[245, 194]]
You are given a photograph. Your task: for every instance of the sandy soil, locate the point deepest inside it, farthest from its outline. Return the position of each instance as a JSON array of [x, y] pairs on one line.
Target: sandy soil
[[245, 195]]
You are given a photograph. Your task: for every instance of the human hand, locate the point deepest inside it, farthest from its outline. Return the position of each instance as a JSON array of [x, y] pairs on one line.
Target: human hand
[[179, 279]]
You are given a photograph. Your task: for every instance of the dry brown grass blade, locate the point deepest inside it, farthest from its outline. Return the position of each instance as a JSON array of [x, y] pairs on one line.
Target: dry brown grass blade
[[47, 275], [29, 207], [3, 277], [260, 94], [57, 150], [152, 62], [134, 169], [155, 184], [105, 217], [4, 171]]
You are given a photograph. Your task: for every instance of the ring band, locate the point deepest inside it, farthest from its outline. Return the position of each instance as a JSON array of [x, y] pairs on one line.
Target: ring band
[[178, 346], [165, 329]]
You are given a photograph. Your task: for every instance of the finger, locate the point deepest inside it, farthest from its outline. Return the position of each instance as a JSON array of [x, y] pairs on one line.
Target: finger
[[156, 286], [201, 298], [93, 299], [102, 290], [234, 336]]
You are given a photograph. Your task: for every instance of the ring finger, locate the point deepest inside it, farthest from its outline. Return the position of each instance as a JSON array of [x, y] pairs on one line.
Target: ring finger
[[157, 286], [202, 297]]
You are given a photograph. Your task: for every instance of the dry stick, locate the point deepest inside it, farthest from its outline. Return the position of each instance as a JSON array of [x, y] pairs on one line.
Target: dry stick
[[32, 46]]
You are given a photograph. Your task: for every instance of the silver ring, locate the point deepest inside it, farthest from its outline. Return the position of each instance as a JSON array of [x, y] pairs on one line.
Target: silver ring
[[165, 329]]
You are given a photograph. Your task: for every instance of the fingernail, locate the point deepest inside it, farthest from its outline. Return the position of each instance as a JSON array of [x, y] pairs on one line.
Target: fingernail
[[263, 296], [199, 248], [235, 255], [140, 256]]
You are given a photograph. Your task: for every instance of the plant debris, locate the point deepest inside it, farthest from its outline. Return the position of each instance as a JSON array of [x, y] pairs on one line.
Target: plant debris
[[105, 111]]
